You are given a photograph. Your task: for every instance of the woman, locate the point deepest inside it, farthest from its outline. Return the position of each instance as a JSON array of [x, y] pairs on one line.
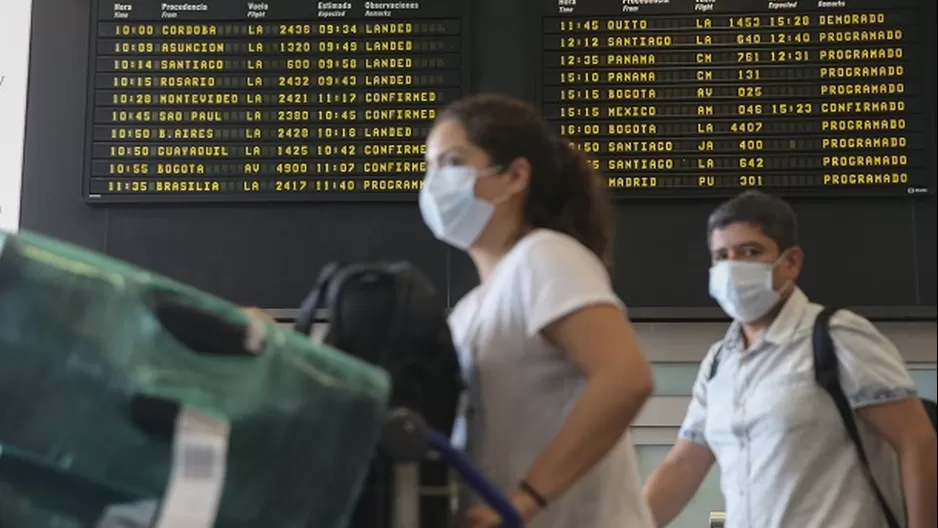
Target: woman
[[554, 369]]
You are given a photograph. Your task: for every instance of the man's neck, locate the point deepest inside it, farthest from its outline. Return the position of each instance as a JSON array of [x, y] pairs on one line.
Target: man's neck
[[753, 332]]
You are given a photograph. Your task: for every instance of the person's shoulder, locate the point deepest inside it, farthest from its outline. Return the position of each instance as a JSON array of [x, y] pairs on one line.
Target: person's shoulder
[[465, 305], [549, 240], [552, 271], [856, 337], [842, 320], [850, 320], [553, 249], [460, 317]]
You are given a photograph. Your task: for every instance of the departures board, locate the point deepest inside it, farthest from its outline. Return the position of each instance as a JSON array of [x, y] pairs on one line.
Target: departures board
[[225, 100], [709, 97]]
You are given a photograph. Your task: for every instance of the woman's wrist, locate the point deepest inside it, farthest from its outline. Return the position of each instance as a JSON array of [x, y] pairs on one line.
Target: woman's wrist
[[526, 506], [536, 495]]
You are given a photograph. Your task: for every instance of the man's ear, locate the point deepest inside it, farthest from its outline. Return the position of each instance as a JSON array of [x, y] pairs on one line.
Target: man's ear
[[794, 259]]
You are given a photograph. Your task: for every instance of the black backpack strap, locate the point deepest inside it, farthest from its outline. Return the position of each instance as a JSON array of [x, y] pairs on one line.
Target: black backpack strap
[[715, 364], [827, 375], [307, 315]]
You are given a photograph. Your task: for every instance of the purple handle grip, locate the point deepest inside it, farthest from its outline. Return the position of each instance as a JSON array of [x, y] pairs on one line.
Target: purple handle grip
[[494, 498]]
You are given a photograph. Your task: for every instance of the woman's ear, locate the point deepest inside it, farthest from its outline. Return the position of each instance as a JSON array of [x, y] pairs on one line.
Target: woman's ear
[[518, 173]]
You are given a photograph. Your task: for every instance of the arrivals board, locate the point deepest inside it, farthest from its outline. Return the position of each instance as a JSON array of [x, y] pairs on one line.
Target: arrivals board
[[708, 97], [225, 100]]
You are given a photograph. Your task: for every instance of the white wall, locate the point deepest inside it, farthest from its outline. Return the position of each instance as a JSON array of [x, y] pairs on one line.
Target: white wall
[[14, 70], [689, 342]]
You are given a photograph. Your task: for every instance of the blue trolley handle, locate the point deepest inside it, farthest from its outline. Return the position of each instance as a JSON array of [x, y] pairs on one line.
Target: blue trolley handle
[[407, 438], [494, 498]]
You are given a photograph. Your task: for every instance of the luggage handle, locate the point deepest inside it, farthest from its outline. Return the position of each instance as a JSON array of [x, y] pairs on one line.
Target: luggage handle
[[313, 301], [489, 493], [205, 332], [407, 438]]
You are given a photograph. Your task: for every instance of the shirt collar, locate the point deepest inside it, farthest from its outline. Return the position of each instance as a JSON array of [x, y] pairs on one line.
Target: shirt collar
[[787, 321], [733, 340]]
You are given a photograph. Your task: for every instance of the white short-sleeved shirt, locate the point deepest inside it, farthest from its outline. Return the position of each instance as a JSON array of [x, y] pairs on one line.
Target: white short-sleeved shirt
[[521, 386], [784, 455]]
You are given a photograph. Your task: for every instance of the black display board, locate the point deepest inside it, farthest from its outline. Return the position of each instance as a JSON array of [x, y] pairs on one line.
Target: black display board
[[875, 253], [710, 97], [278, 100]]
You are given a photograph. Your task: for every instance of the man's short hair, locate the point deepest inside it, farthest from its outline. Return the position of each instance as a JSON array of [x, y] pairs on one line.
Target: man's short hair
[[772, 215]]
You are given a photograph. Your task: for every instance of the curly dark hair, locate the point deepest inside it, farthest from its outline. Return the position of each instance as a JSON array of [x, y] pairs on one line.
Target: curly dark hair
[[565, 194]]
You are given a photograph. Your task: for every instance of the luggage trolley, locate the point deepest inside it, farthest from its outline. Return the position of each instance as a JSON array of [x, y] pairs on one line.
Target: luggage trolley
[[393, 493], [408, 439]]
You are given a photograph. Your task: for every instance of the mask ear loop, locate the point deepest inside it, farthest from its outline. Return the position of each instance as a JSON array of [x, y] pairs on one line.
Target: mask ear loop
[[788, 284], [495, 170]]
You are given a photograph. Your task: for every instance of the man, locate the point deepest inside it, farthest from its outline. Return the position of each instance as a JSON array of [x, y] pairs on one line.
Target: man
[[784, 455]]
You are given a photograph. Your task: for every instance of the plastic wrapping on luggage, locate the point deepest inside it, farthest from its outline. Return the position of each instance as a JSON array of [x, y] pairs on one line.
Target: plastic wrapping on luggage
[[35, 493], [98, 358]]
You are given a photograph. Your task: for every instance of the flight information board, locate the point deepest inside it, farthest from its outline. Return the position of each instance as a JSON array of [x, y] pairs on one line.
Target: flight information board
[[708, 97], [224, 100]]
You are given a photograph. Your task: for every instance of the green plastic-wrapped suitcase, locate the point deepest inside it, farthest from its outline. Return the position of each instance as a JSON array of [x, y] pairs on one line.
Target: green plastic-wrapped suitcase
[[99, 360]]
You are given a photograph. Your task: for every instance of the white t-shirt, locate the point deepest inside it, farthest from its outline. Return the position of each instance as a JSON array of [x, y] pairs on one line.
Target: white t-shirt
[[521, 386]]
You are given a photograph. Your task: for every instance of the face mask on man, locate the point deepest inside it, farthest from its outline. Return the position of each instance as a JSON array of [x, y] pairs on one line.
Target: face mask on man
[[450, 208], [744, 289]]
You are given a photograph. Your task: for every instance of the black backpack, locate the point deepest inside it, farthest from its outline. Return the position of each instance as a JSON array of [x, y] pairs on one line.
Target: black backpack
[[390, 315], [827, 375]]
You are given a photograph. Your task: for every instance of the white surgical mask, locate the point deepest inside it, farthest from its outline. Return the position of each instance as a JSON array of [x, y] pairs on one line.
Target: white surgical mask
[[450, 208], [744, 289]]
